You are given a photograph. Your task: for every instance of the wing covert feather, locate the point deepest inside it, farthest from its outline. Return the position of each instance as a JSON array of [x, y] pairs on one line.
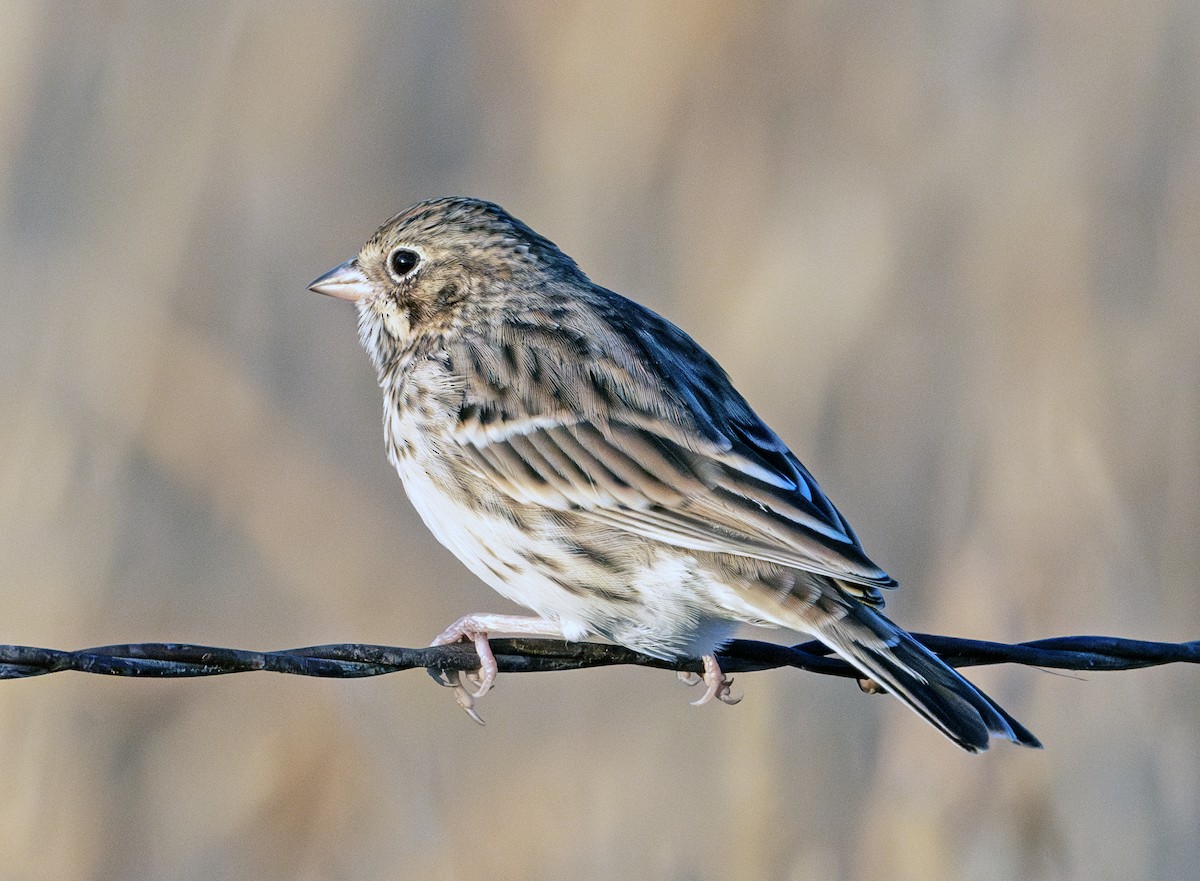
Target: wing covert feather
[[631, 423], [628, 478]]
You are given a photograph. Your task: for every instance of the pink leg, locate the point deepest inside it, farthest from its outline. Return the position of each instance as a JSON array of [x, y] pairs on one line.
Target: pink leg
[[475, 629], [718, 684]]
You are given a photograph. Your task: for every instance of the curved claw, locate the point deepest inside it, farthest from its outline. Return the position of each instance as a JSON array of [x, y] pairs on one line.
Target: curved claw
[[466, 699], [725, 696], [718, 684]]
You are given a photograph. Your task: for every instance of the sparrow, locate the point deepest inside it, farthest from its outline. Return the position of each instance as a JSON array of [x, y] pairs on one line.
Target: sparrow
[[588, 460]]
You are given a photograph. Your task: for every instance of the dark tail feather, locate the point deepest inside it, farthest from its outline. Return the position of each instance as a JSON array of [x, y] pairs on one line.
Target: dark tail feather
[[922, 680]]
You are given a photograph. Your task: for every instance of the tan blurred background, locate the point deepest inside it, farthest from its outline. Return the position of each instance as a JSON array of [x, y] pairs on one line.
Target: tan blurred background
[[951, 251]]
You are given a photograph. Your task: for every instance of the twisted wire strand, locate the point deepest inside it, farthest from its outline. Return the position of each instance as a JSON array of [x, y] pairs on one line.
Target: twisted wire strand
[[349, 661]]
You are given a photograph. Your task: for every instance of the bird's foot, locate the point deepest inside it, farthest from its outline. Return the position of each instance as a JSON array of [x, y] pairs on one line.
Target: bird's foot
[[467, 630], [718, 683], [475, 629]]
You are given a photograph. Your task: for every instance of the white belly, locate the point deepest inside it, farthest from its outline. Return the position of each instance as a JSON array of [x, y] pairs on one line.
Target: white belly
[[495, 550], [669, 605]]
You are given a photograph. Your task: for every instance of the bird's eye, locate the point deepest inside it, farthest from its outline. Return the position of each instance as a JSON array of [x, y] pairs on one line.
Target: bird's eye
[[402, 261]]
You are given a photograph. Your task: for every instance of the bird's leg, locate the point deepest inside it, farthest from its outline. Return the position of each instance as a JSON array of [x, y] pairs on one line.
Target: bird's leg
[[475, 629], [718, 684]]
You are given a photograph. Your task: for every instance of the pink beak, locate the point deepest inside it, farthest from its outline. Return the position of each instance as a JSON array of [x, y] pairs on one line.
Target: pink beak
[[344, 281]]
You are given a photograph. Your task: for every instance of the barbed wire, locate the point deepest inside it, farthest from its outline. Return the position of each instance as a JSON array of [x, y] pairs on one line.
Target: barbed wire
[[160, 660]]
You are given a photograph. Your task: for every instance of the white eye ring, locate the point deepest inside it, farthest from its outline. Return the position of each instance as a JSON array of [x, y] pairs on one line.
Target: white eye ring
[[403, 262]]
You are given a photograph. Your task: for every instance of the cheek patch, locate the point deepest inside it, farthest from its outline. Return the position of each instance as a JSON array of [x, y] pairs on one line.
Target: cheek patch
[[395, 319]]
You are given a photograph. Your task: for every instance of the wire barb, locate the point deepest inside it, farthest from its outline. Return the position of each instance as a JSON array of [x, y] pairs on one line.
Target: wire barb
[[350, 661]]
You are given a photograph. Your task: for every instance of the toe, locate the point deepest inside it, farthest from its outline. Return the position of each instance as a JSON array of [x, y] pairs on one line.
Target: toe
[[718, 684], [725, 694], [466, 700]]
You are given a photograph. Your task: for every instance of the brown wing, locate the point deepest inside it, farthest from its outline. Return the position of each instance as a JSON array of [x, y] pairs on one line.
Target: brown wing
[[609, 410], [710, 500]]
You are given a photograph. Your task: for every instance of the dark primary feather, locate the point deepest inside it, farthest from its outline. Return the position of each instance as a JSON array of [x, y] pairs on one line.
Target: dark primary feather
[[921, 679]]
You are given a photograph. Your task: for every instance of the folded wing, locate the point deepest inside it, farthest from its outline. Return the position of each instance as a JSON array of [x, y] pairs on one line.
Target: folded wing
[[719, 501], [672, 452]]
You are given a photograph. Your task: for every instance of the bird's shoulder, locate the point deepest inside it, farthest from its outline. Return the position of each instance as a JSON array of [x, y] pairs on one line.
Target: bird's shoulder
[[575, 353]]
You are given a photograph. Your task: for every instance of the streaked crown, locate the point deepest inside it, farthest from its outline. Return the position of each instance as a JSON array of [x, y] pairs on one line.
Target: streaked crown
[[474, 232]]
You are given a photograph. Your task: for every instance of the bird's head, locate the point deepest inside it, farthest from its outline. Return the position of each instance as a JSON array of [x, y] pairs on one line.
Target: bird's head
[[438, 264]]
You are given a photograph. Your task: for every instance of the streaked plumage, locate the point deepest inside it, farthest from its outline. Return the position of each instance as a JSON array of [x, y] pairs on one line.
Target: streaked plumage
[[587, 459]]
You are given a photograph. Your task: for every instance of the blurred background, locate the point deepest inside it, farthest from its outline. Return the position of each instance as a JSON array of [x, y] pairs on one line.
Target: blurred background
[[950, 250]]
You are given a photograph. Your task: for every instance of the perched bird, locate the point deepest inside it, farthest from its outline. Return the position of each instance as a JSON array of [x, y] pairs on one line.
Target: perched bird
[[588, 460]]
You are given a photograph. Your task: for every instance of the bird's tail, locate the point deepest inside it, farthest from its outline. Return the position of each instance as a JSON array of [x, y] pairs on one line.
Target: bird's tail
[[917, 676]]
